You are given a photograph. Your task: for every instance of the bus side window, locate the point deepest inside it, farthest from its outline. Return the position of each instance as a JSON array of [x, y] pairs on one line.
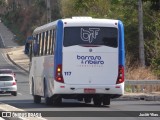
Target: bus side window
[[53, 41], [40, 44], [50, 41], [46, 43], [35, 45], [30, 51], [37, 39], [51, 51]]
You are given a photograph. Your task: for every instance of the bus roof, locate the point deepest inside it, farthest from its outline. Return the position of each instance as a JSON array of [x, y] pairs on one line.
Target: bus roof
[[76, 21], [45, 27]]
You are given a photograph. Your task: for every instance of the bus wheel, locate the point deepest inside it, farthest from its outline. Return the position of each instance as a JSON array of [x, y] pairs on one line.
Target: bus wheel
[[97, 100], [37, 98], [80, 99], [32, 87], [106, 100], [57, 101], [87, 100], [49, 100], [14, 93]]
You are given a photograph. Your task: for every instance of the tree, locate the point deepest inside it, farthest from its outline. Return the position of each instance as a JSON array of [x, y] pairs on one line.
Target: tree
[[94, 8], [141, 37], [155, 4], [2, 3]]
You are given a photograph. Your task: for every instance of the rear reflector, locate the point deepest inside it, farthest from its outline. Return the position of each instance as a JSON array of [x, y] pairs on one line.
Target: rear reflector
[[118, 87]]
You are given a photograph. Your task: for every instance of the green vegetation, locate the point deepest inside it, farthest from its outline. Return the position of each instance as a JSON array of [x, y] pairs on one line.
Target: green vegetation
[[24, 17], [2, 3], [23, 20]]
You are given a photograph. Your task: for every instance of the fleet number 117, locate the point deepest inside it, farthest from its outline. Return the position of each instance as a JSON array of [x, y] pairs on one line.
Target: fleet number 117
[[67, 73]]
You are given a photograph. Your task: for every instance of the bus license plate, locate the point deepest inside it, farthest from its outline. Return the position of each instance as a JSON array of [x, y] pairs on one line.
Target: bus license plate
[[89, 90]]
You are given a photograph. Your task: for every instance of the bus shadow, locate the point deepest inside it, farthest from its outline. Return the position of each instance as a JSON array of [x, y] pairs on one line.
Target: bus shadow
[[74, 105], [5, 95], [29, 104]]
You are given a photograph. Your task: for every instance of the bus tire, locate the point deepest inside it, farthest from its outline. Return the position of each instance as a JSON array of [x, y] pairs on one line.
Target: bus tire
[[32, 87], [57, 101], [97, 100], [45, 88], [106, 100], [87, 100], [37, 98], [48, 100], [14, 93], [80, 99]]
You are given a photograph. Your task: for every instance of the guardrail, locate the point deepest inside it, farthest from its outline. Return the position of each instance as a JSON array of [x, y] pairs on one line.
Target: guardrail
[[143, 86]]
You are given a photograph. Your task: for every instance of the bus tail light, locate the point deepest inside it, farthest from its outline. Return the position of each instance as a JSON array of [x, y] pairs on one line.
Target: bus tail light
[[120, 78], [59, 76]]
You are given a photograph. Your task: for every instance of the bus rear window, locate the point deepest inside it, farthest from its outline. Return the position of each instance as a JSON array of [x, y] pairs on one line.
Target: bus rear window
[[107, 36]]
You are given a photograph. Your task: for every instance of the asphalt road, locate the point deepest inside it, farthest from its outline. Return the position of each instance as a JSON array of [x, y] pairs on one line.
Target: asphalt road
[[25, 101]]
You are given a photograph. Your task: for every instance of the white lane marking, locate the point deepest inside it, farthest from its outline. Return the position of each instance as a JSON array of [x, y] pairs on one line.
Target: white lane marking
[[19, 94], [5, 58], [9, 62], [1, 119]]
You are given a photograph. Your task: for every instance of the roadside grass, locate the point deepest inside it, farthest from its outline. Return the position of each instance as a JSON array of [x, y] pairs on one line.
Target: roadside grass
[[134, 71], [140, 73]]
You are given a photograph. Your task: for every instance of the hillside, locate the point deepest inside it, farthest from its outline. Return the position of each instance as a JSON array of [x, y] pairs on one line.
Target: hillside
[[22, 17]]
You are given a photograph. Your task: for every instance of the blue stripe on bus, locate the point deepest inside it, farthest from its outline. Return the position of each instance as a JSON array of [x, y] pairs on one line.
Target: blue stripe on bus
[[59, 44], [121, 43]]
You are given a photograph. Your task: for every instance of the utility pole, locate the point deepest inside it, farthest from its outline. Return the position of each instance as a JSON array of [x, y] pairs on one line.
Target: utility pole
[[28, 3], [14, 5], [141, 37], [48, 11]]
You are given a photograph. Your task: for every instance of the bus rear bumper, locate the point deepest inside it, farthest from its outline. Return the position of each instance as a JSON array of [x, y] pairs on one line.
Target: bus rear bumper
[[66, 89]]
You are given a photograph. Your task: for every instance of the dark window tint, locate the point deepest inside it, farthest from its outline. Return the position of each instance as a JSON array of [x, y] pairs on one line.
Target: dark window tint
[[6, 78], [6, 72], [90, 36], [44, 43]]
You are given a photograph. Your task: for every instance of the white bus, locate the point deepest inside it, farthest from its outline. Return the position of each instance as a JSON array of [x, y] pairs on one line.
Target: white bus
[[78, 58]]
